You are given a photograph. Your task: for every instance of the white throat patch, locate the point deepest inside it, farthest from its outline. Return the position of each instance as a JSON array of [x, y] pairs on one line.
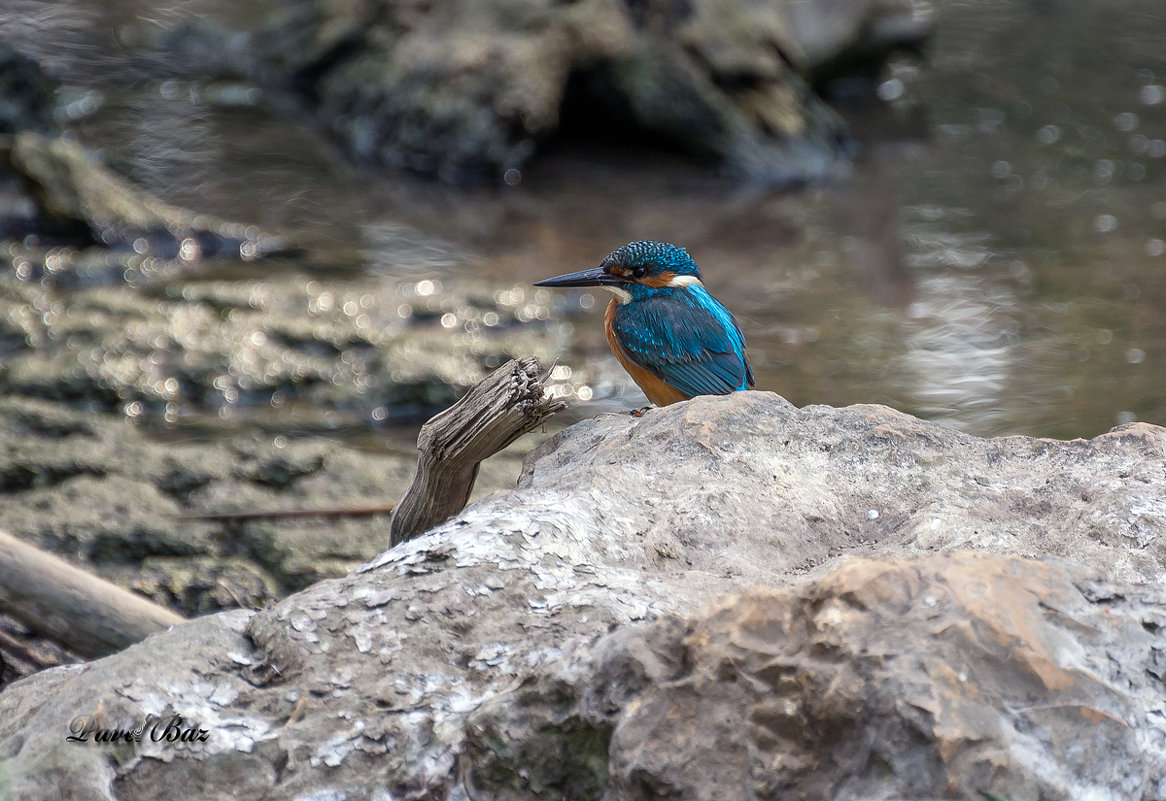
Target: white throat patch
[[621, 294]]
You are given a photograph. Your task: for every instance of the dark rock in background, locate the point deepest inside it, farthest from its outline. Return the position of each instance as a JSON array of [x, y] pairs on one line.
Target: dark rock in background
[[27, 94], [94, 223], [848, 39], [76, 193], [465, 90], [573, 638]]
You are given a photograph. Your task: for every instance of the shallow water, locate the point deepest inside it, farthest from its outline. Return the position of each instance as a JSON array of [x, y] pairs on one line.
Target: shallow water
[[996, 260]]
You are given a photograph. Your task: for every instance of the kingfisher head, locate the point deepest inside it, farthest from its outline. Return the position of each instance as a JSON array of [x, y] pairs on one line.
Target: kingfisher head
[[637, 270]]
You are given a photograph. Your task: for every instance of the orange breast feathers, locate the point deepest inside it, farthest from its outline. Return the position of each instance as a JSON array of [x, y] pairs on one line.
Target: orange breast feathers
[[658, 392]]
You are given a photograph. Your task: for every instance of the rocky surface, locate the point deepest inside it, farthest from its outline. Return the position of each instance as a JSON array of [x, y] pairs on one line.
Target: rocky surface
[[956, 676], [72, 217], [600, 632], [96, 489], [76, 195], [368, 349], [461, 89]]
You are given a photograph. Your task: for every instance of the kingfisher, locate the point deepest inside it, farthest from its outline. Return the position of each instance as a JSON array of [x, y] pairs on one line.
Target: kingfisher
[[674, 339]]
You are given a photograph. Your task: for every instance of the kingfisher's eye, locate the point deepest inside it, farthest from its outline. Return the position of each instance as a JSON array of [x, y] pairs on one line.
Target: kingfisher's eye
[[639, 272]]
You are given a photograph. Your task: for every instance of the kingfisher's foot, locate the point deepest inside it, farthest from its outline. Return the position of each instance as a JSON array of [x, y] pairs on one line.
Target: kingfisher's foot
[[639, 412]]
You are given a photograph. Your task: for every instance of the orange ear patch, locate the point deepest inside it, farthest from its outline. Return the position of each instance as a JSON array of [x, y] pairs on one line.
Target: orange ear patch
[[669, 278], [658, 281]]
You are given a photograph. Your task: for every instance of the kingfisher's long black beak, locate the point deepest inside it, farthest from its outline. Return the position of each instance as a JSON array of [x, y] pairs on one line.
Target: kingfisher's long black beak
[[593, 277]]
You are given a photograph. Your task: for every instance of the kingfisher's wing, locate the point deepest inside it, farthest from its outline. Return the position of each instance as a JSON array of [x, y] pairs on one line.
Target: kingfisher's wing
[[687, 339]]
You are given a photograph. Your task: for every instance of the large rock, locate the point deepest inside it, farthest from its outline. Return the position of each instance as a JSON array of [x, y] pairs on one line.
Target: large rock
[[463, 89], [954, 676], [573, 638]]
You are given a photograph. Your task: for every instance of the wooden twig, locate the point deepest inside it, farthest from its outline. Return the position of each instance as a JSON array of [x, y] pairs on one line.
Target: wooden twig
[[498, 410], [15, 648], [276, 514], [84, 613]]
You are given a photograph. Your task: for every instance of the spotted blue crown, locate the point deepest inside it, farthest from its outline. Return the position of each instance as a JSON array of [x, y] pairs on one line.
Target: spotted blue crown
[[656, 257]]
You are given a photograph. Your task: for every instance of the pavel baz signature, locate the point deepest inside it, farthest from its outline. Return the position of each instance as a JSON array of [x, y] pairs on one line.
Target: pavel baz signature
[[173, 729]]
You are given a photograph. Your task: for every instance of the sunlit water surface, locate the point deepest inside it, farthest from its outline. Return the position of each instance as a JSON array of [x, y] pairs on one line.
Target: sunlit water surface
[[996, 260]]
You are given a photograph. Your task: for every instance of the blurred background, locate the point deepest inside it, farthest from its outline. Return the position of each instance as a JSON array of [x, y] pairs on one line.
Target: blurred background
[[973, 230]]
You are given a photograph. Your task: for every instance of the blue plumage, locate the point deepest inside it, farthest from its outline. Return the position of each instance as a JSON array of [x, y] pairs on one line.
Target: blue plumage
[[674, 338], [685, 337]]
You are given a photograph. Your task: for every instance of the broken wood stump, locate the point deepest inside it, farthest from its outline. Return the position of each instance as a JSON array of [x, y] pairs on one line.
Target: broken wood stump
[[498, 410]]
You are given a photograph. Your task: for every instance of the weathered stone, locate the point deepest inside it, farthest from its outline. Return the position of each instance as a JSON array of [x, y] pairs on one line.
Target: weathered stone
[[803, 485], [558, 639], [952, 676]]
